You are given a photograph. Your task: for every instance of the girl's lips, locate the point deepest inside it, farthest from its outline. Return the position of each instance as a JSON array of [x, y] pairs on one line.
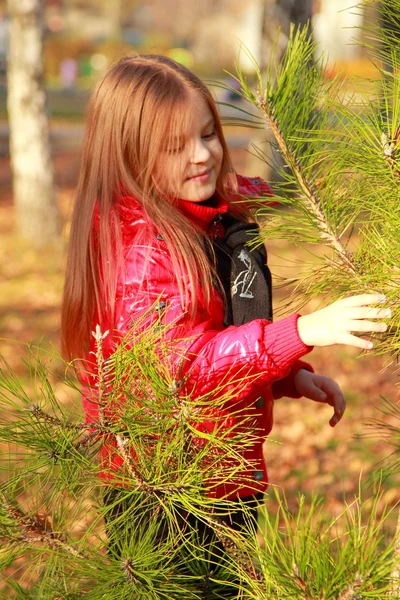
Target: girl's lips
[[201, 176]]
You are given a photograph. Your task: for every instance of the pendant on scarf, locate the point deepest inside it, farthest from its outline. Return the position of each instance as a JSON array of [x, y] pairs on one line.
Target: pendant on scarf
[[245, 278]]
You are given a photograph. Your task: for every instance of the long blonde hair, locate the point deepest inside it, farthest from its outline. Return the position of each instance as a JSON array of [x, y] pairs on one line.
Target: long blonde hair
[[137, 105]]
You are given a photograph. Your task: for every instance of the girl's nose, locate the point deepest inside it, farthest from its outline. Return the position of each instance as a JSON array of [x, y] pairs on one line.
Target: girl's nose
[[200, 151]]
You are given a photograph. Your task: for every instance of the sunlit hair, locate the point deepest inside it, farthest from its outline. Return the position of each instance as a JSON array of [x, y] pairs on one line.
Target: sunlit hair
[[141, 103]]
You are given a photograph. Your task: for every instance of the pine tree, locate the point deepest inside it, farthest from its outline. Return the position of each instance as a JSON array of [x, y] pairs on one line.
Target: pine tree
[[340, 174], [60, 539]]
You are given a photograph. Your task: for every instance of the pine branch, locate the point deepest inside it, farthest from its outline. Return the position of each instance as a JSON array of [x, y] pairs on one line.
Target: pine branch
[[311, 199], [38, 531], [123, 446]]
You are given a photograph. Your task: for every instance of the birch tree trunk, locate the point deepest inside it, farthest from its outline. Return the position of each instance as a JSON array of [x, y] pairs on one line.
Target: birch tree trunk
[[37, 216]]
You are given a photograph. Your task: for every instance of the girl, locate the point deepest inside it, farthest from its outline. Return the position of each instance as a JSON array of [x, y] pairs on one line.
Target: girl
[[158, 229]]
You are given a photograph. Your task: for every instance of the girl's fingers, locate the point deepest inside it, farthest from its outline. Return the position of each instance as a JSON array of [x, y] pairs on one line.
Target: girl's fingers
[[336, 418], [363, 300], [339, 404], [369, 313], [314, 393], [352, 340], [334, 324], [364, 326]]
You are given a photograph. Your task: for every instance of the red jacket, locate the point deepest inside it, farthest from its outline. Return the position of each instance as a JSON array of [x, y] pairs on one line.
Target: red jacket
[[263, 355]]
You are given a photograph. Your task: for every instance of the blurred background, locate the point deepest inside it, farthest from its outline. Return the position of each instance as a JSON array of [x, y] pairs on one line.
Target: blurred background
[[80, 39], [83, 37]]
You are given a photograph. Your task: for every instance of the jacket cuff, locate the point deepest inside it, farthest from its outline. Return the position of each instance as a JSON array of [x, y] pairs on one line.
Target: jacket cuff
[[283, 338]]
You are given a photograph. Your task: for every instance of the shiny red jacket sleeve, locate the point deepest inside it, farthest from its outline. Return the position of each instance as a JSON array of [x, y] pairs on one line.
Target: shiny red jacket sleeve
[[248, 358], [208, 356]]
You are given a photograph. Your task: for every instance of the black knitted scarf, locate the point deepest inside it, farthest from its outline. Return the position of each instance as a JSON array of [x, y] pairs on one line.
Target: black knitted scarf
[[243, 273]]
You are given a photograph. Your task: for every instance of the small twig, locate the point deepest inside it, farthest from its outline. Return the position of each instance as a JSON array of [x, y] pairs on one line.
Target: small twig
[[41, 414], [233, 549], [93, 436], [99, 430], [300, 582], [395, 574], [35, 531], [100, 363], [128, 570], [351, 591], [390, 151]]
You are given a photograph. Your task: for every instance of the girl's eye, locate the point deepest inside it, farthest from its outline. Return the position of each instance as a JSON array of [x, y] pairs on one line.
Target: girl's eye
[[209, 136]]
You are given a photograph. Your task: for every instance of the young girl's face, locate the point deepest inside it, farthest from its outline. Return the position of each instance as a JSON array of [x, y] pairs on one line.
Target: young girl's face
[[188, 167]]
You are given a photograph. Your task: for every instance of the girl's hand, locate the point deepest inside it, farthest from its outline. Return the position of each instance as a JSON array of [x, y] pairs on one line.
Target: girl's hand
[[333, 324], [321, 389]]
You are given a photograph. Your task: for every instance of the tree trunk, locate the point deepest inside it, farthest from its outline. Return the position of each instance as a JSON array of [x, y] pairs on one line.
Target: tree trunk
[[280, 14], [277, 14], [37, 216]]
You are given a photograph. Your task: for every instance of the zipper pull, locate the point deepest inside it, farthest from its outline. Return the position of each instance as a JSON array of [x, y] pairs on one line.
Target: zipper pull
[[215, 225]]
